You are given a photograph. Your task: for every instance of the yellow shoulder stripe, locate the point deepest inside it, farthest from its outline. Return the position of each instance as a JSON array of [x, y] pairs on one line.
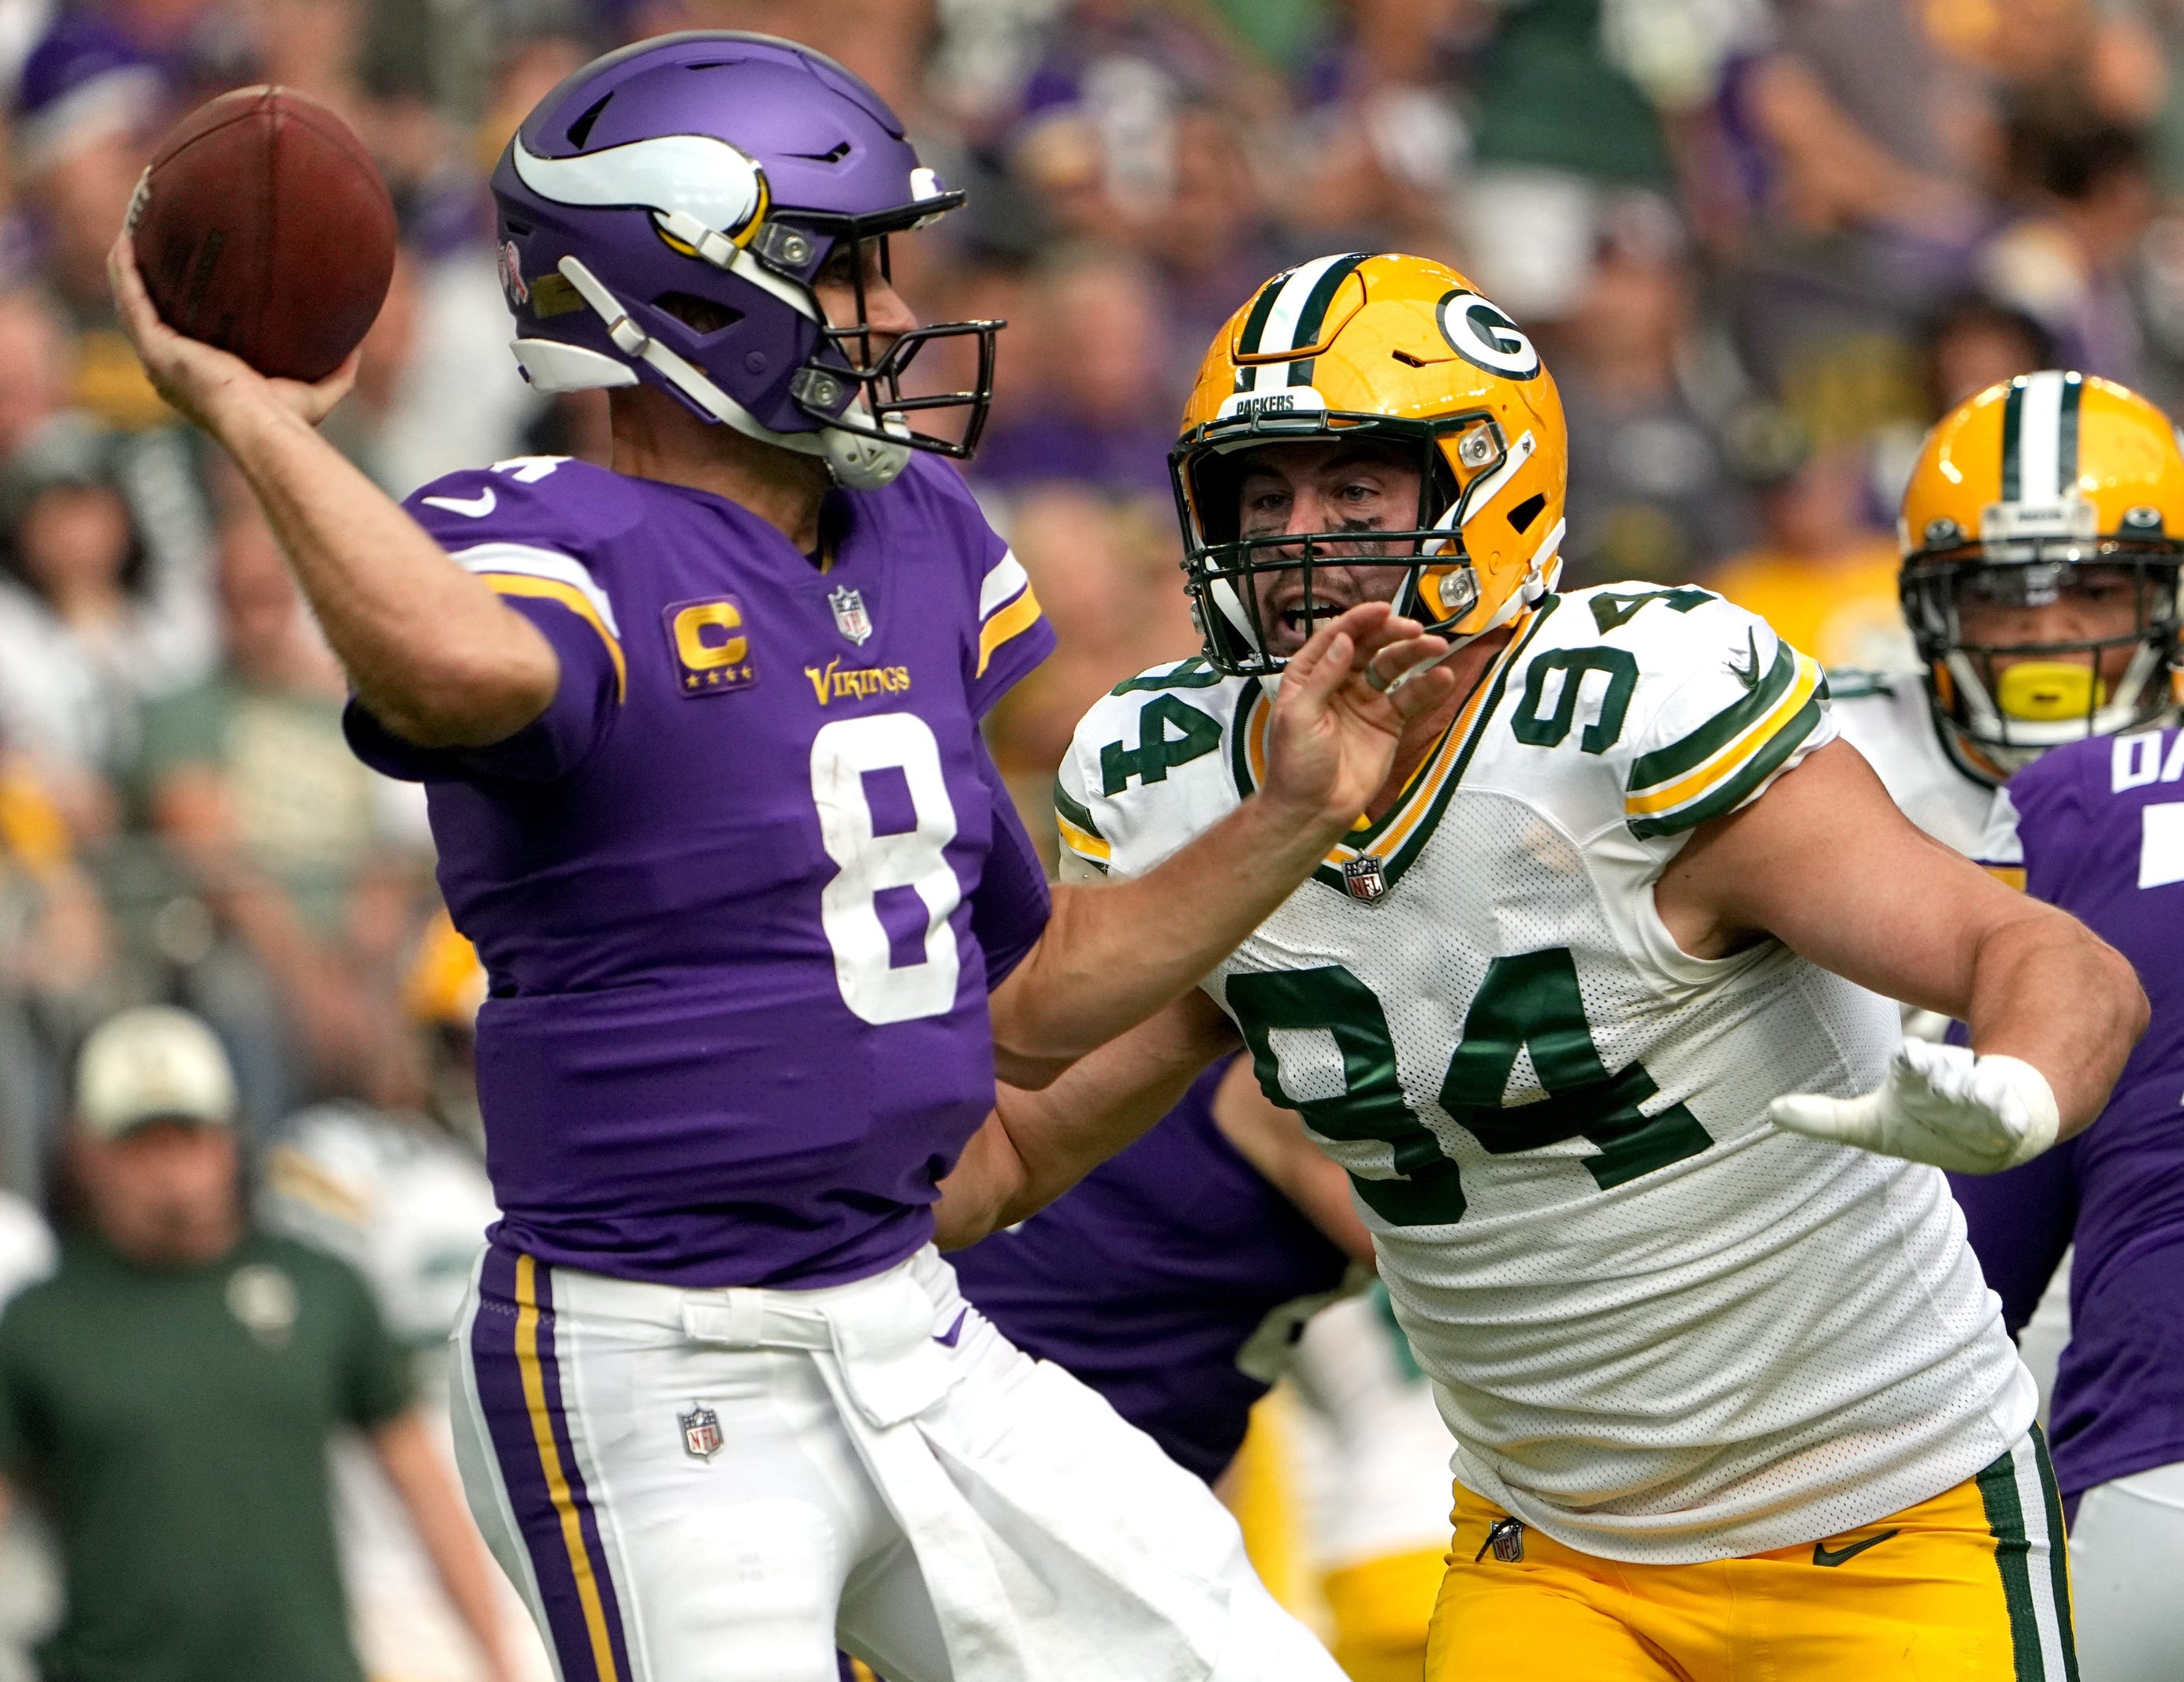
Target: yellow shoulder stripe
[[1018, 616], [2009, 876], [552, 590], [1083, 842], [1724, 764]]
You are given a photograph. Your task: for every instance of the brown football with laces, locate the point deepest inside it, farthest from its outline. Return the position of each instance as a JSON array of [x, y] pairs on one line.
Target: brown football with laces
[[262, 226]]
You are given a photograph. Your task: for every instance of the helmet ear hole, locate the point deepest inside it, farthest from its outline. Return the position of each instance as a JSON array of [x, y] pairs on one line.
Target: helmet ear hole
[[1216, 481], [703, 316]]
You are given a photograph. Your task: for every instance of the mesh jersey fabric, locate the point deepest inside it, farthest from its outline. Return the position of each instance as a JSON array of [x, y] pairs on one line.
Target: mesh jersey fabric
[[1660, 1329], [1886, 717]]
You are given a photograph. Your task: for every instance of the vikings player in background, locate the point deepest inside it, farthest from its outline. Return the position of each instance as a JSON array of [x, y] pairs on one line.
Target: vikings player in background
[[700, 736], [1177, 1277], [1183, 1277], [2044, 537], [2094, 828]]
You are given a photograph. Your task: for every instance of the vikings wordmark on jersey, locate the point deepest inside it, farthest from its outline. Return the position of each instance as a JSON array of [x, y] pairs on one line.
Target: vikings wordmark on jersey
[[1661, 1329]]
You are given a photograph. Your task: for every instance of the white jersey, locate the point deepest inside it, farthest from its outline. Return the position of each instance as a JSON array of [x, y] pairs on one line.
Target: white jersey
[[400, 1201], [407, 1207], [1887, 716], [1659, 1328]]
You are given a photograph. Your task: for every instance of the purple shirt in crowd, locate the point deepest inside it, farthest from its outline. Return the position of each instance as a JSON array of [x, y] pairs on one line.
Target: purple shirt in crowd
[[742, 890], [1153, 1277], [2101, 826]]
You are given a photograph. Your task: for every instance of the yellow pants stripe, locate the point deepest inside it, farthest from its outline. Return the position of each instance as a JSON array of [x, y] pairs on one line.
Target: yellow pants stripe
[[549, 1460]]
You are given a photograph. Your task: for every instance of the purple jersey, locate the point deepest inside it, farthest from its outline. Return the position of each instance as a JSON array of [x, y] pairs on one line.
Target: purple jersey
[[1173, 1279], [2098, 828], [743, 888]]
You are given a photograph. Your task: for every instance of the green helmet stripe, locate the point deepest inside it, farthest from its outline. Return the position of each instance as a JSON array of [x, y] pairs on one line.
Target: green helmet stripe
[[2066, 442], [2012, 427], [1255, 324]]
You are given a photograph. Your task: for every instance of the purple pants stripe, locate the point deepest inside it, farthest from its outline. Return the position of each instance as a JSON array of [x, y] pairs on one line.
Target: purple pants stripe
[[519, 1383]]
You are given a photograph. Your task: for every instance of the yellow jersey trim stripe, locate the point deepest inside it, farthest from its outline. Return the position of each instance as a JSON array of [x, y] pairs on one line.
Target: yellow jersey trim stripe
[[1732, 758], [552, 590], [1012, 621], [1416, 800], [1083, 842], [550, 1462]]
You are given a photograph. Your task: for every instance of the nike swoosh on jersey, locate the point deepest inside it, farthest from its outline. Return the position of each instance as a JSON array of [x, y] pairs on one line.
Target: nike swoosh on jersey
[[1748, 674], [947, 1340], [1822, 1556], [477, 507]]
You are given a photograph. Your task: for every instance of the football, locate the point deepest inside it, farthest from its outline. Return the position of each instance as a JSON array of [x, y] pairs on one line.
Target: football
[[262, 226]]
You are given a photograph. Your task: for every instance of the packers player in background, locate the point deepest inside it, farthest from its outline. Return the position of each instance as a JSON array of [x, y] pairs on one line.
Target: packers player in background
[[2018, 660], [403, 1199], [2043, 530], [2040, 559], [1586, 1004]]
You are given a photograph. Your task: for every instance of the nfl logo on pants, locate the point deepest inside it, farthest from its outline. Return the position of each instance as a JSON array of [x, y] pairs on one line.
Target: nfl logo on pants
[[701, 1432]]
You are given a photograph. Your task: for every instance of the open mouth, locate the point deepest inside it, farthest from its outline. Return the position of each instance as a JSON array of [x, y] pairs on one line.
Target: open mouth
[[1301, 620]]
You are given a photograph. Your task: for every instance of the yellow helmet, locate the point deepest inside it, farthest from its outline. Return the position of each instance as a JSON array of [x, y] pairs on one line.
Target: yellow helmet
[[1396, 349], [2045, 488]]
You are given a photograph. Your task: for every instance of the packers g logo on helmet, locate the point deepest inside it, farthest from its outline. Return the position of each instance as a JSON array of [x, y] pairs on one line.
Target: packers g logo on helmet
[[1396, 350], [2045, 489], [1482, 335]]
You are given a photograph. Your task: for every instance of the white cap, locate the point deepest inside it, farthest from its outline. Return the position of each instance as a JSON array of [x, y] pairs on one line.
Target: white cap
[[154, 1063]]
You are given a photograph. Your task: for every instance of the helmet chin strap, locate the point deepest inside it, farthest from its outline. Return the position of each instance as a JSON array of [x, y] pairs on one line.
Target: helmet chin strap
[[857, 463]]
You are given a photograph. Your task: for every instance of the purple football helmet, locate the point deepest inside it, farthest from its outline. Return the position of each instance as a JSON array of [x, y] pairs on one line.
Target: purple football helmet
[[663, 213]]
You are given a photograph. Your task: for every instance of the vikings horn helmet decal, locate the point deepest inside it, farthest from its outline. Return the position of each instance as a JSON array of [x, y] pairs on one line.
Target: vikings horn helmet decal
[[1396, 350], [664, 215], [2046, 488]]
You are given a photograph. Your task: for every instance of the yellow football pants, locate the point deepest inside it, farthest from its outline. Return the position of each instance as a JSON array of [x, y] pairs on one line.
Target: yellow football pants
[[1970, 1586], [1380, 1608]]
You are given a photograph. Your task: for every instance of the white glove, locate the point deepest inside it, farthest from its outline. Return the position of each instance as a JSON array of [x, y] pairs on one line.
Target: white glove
[[1940, 1103]]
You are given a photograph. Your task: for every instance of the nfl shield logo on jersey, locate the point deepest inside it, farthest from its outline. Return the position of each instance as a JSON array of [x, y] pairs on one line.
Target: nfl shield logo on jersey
[[701, 1432], [1364, 877], [850, 618]]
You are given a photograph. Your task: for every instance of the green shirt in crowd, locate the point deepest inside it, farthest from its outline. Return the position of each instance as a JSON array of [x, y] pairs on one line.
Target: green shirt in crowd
[[304, 804], [1550, 95], [174, 1422]]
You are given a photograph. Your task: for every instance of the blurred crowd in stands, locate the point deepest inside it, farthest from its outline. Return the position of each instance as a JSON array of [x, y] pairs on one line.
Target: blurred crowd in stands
[[1760, 245]]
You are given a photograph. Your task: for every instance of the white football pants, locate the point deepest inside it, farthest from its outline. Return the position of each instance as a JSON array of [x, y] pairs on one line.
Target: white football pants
[[724, 1485], [2127, 1562]]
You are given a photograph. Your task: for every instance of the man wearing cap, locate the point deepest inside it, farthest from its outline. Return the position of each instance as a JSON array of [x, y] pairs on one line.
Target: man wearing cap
[[169, 1391]]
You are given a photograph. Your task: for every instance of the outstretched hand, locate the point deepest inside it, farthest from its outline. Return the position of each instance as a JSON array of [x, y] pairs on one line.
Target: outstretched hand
[[201, 382], [1346, 697], [1938, 1104]]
